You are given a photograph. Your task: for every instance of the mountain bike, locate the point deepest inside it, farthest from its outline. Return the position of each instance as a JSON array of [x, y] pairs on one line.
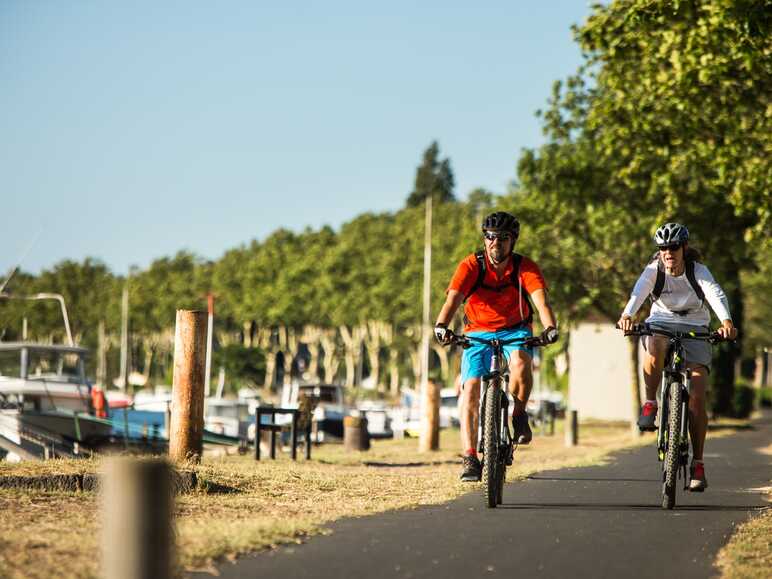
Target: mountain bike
[[495, 438], [673, 429]]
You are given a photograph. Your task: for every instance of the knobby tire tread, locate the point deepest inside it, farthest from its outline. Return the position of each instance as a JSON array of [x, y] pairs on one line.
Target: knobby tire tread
[[491, 435], [673, 444]]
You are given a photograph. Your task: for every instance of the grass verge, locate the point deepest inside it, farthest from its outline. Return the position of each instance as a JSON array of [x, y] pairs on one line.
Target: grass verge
[[748, 555]]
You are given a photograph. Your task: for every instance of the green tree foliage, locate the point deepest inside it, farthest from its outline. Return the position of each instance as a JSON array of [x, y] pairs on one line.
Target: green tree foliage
[[169, 284], [668, 120], [683, 102], [433, 177], [245, 365]]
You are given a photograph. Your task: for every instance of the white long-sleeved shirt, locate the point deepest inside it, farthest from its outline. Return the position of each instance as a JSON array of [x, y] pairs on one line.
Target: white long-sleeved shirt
[[678, 295]]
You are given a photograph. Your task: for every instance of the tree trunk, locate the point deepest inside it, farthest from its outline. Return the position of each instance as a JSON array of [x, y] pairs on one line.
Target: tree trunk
[[373, 337], [311, 338], [442, 354], [415, 359], [726, 354], [394, 370], [352, 340], [290, 349], [331, 360], [270, 370], [247, 329]]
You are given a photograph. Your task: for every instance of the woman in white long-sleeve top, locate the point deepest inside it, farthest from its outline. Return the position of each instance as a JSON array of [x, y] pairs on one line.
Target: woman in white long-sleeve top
[[679, 304]]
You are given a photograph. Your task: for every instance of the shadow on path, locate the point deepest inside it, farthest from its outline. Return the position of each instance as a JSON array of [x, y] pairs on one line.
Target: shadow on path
[[590, 479], [626, 507]]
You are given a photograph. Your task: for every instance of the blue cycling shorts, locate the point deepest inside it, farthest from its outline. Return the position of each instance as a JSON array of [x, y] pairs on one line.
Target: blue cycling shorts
[[476, 360]]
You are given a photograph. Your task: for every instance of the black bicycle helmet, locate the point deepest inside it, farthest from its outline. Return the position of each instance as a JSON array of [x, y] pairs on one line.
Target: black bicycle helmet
[[671, 234], [502, 221]]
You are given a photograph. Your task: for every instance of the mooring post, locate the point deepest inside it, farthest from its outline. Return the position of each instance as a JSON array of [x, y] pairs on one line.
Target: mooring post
[[187, 422], [572, 428], [430, 427], [137, 526]]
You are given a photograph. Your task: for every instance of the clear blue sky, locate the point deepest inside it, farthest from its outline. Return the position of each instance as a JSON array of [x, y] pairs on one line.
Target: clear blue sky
[[129, 131]]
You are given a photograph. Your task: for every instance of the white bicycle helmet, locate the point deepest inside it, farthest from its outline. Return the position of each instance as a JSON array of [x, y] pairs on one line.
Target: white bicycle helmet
[[671, 234]]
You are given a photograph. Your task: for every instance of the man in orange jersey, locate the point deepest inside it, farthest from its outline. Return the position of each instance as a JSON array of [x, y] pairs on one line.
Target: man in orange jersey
[[501, 289]]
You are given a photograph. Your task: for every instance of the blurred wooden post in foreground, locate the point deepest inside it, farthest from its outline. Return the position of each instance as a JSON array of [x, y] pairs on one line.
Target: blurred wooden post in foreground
[[137, 507], [430, 427], [186, 434], [572, 428]]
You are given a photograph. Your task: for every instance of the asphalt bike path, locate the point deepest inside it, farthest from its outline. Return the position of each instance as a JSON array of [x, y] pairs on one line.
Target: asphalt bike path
[[601, 521]]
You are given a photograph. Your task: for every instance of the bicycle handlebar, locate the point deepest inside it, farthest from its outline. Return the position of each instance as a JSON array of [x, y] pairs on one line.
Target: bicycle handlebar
[[466, 341], [646, 330]]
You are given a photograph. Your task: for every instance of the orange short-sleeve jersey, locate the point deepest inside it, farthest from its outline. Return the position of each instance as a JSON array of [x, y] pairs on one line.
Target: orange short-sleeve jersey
[[489, 310]]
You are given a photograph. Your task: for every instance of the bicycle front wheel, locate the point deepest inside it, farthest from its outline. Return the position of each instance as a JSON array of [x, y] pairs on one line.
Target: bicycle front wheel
[[671, 463], [490, 474]]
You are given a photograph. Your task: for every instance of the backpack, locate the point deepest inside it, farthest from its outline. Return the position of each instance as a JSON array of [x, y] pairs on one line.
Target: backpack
[[514, 281], [659, 284]]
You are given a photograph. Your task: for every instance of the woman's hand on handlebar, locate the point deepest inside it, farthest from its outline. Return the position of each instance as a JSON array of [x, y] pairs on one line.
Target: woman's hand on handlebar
[[727, 331], [625, 323]]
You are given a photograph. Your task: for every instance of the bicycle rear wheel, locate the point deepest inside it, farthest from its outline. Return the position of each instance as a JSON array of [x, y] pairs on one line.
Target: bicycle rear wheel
[[671, 463], [490, 474]]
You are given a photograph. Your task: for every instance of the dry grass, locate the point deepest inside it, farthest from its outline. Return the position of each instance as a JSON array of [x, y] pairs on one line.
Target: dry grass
[[748, 555], [260, 504]]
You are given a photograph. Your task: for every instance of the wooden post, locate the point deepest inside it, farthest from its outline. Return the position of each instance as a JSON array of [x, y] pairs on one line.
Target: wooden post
[[430, 427], [187, 422], [572, 428], [137, 507], [355, 433]]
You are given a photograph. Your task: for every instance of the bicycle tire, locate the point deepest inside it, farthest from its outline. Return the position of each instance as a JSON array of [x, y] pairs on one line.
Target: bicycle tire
[[491, 469], [671, 463], [502, 459]]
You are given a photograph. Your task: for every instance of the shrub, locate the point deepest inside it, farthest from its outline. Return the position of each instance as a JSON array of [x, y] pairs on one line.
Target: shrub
[[743, 401], [765, 397]]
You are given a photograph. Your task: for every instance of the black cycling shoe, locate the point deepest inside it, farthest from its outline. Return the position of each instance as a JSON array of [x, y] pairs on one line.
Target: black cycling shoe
[[472, 470], [523, 434]]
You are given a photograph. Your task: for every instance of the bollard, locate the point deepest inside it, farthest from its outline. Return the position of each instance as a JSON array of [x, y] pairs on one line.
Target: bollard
[[186, 435], [430, 427], [137, 526], [355, 433], [572, 428]]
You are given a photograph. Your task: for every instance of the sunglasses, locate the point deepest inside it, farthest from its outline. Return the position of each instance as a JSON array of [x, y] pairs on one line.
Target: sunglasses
[[673, 247], [491, 236]]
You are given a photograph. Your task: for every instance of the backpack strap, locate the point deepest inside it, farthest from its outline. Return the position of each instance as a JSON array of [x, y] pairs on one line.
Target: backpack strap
[[659, 284], [517, 260], [480, 257], [693, 281]]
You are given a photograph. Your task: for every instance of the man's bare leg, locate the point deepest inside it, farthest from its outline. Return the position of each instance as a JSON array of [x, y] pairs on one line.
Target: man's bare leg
[[470, 411], [520, 385]]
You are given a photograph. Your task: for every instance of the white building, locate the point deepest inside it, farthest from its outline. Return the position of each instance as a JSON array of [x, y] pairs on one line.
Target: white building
[[600, 376]]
